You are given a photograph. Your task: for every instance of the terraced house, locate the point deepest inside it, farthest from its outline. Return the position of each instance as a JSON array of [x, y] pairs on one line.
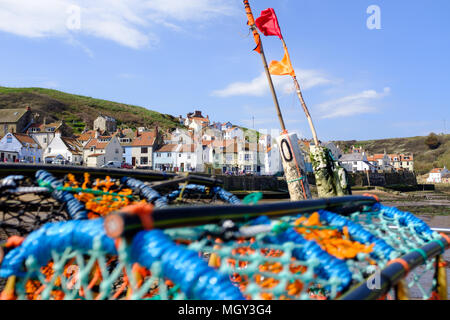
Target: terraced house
[[402, 162], [142, 148], [102, 149]]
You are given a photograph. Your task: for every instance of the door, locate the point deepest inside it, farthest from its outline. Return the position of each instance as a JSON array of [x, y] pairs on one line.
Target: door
[[182, 167], [133, 161]]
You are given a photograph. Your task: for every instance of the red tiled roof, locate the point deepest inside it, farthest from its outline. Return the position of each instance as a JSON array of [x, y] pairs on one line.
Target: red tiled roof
[[24, 139], [168, 148], [145, 139], [95, 143], [87, 135], [96, 155], [436, 170]]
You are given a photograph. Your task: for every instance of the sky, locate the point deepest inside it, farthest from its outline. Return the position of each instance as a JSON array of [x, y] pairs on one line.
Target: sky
[[363, 75]]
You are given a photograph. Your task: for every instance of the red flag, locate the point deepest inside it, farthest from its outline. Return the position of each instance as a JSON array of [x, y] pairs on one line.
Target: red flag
[[267, 23]]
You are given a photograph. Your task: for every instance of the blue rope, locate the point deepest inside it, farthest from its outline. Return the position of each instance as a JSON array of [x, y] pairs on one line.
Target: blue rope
[[74, 207], [380, 250], [184, 267], [147, 192], [404, 218], [226, 196], [328, 267], [195, 188], [78, 235]]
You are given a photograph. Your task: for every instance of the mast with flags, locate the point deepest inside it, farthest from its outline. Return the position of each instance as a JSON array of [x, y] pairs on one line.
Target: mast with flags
[[292, 158], [331, 178]]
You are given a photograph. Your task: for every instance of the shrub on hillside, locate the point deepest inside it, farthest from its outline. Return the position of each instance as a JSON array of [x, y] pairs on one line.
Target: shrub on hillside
[[432, 141]]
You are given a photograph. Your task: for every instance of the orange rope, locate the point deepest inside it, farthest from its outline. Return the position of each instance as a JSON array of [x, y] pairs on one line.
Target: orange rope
[[402, 262]]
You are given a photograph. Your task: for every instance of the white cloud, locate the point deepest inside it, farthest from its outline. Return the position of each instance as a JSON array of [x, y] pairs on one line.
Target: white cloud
[[259, 86], [354, 104], [127, 22]]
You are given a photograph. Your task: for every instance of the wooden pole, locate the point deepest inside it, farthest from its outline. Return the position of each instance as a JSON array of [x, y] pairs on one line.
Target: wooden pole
[[293, 161], [251, 23], [302, 102]]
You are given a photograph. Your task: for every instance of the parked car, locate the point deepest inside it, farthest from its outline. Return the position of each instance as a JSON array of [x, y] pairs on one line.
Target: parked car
[[60, 162], [126, 166], [112, 164]]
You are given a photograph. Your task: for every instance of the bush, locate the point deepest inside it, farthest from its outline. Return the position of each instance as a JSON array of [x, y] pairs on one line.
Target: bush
[[432, 141]]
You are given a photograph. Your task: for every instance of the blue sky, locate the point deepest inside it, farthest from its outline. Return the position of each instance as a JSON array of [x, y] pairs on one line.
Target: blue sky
[[176, 56]]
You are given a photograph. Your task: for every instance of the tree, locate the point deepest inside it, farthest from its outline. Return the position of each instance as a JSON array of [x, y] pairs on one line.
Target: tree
[[432, 141]]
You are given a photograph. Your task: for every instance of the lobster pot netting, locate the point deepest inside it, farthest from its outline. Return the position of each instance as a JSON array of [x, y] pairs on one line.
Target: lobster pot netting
[[319, 255], [27, 204]]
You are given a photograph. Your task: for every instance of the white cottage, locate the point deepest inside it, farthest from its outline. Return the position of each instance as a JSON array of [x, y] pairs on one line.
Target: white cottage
[[164, 158], [15, 147]]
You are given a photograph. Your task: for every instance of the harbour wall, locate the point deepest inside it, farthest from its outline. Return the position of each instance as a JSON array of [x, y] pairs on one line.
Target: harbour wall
[[270, 183]]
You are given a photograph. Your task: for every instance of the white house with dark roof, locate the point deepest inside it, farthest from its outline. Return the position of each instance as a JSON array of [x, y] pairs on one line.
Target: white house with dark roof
[[354, 162], [16, 147], [64, 148]]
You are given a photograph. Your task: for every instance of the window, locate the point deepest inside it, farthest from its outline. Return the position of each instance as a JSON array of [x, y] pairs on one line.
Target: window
[[189, 157], [45, 140], [144, 150], [117, 151], [9, 139], [144, 160], [247, 157], [169, 154], [355, 163], [92, 149], [49, 150], [179, 155]]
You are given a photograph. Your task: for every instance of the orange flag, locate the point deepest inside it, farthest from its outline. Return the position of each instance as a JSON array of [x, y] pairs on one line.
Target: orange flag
[[283, 67]]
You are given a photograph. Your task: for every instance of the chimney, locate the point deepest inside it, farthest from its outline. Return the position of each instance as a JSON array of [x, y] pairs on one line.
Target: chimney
[[45, 121], [96, 134]]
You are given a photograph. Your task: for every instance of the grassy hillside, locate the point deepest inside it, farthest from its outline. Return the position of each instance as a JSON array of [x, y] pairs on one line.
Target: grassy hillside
[[79, 111], [425, 158]]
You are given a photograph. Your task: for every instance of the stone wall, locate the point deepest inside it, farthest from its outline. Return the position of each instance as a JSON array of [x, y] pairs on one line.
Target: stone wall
[[268, 183], [383, 179]]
